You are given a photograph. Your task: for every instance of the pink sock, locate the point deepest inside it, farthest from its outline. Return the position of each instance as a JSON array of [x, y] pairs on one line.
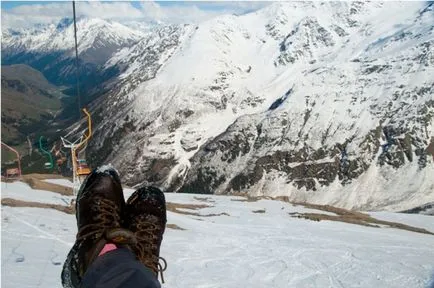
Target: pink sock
[[107, 248]]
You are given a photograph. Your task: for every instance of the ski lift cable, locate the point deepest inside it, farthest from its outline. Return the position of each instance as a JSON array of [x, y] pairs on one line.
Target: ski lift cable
[[79, 145], [76, 59]]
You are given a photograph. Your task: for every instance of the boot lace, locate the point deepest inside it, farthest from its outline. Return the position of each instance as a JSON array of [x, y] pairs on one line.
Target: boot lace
[[148, 237], [106, 217]]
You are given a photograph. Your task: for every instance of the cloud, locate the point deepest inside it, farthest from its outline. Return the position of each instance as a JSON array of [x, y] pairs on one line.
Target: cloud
[[237, 7], [29, 15], [176, 13], [169, 12]]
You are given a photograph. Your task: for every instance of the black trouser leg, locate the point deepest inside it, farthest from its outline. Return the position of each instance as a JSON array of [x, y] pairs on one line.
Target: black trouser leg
[[119, 268]]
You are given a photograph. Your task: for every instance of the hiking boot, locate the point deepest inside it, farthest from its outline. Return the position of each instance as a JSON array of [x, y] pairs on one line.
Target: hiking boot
[[146, 213], [99, 209]]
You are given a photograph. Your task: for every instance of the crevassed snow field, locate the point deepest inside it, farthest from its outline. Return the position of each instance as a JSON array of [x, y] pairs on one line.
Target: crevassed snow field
[[244, 249]]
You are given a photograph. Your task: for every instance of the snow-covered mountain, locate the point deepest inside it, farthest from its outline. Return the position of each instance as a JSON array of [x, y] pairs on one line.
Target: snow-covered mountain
[[325, 102], [50, 48]]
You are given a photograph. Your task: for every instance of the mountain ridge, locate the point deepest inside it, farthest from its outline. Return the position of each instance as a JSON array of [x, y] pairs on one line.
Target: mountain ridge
[[322, 102], [179, 121]]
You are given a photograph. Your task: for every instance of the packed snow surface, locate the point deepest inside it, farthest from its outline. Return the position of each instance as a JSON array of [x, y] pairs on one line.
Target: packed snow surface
[[64, 182], [241, 249]]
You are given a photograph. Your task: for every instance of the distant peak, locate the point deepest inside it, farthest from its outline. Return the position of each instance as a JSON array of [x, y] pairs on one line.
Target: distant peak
[[68, 21]]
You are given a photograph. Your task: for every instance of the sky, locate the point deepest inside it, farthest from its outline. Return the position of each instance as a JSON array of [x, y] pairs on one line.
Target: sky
[[23, 14]]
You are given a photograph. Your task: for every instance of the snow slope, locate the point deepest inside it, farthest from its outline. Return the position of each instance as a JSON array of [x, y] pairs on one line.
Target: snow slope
[[324, 102], [22, 191], [243, 249]]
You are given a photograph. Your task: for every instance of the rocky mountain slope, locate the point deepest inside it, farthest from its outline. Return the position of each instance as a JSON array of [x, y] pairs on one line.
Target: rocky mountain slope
[[325, 102], [29, 103]]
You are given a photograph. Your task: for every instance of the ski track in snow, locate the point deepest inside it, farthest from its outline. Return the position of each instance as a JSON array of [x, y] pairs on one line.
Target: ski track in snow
[[244, 249]]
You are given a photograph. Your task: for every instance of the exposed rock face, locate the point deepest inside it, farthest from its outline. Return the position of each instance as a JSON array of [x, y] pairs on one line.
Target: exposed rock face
[[297, 44]]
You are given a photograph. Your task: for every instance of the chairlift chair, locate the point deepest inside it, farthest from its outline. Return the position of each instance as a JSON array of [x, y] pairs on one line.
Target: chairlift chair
[[82, 168]]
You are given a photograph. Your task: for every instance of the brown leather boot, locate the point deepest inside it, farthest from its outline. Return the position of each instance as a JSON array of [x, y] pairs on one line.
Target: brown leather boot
[[100, 207], [146, 213]]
